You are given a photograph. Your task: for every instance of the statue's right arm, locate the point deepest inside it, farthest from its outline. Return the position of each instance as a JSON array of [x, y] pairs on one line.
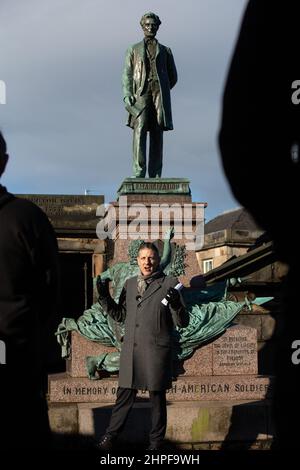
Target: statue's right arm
[[117, 311]]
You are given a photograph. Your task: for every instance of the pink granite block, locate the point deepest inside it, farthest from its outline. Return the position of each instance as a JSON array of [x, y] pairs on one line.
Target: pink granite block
[[80, 349], [199, 364], [235, 352]]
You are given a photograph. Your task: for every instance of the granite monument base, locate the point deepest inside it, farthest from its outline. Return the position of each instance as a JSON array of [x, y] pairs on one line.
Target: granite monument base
[[215, 394], [233, 353], [206, 425]]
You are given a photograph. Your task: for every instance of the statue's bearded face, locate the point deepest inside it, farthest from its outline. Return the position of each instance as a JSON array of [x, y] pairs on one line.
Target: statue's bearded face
[[150, 27]]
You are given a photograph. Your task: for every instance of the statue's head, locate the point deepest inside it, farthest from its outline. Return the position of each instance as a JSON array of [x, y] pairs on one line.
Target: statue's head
[[150, 23], [3, 154], [133, 250]]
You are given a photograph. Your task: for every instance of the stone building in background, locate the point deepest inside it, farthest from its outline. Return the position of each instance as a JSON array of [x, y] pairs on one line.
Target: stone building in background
[[233, 234]]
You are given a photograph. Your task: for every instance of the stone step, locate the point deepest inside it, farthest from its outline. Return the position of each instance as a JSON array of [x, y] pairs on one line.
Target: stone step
[[233, 353], [188, 422], [63, 388]]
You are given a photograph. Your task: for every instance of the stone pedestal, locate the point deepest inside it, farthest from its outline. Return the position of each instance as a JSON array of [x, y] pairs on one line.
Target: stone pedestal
[[216, 390], [216, 394], [234, 353], [193, 424], [146, 208], [165, 188]]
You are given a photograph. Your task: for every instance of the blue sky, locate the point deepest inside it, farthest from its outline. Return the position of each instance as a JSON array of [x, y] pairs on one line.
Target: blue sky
[[64, 120]]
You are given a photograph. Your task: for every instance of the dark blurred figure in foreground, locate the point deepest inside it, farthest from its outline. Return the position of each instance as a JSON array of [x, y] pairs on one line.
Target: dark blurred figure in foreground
[[28, 294], [259, 140]]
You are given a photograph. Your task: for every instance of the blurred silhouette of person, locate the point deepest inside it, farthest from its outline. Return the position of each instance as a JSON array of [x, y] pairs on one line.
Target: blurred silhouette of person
[[28, 295], [259, 142]]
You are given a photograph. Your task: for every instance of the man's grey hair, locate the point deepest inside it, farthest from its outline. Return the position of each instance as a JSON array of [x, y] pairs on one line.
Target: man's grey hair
[[150, 15]]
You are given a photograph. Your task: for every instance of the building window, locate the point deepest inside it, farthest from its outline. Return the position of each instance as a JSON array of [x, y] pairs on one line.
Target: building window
[[208, 265]]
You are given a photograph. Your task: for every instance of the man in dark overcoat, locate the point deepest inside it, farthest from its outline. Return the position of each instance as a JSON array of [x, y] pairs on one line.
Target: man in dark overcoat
[[28, 295], [149, 75], [146, 355]]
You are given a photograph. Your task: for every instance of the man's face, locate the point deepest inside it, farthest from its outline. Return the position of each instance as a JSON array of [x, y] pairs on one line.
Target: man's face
[[148, 261], [150, 28]]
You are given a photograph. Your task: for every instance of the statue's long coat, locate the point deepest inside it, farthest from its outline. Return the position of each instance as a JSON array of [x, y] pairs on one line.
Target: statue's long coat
[[135, 74], [146, 355]]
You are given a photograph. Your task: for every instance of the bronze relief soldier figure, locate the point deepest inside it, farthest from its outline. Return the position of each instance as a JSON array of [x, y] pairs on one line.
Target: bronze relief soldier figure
[[149, 75]]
